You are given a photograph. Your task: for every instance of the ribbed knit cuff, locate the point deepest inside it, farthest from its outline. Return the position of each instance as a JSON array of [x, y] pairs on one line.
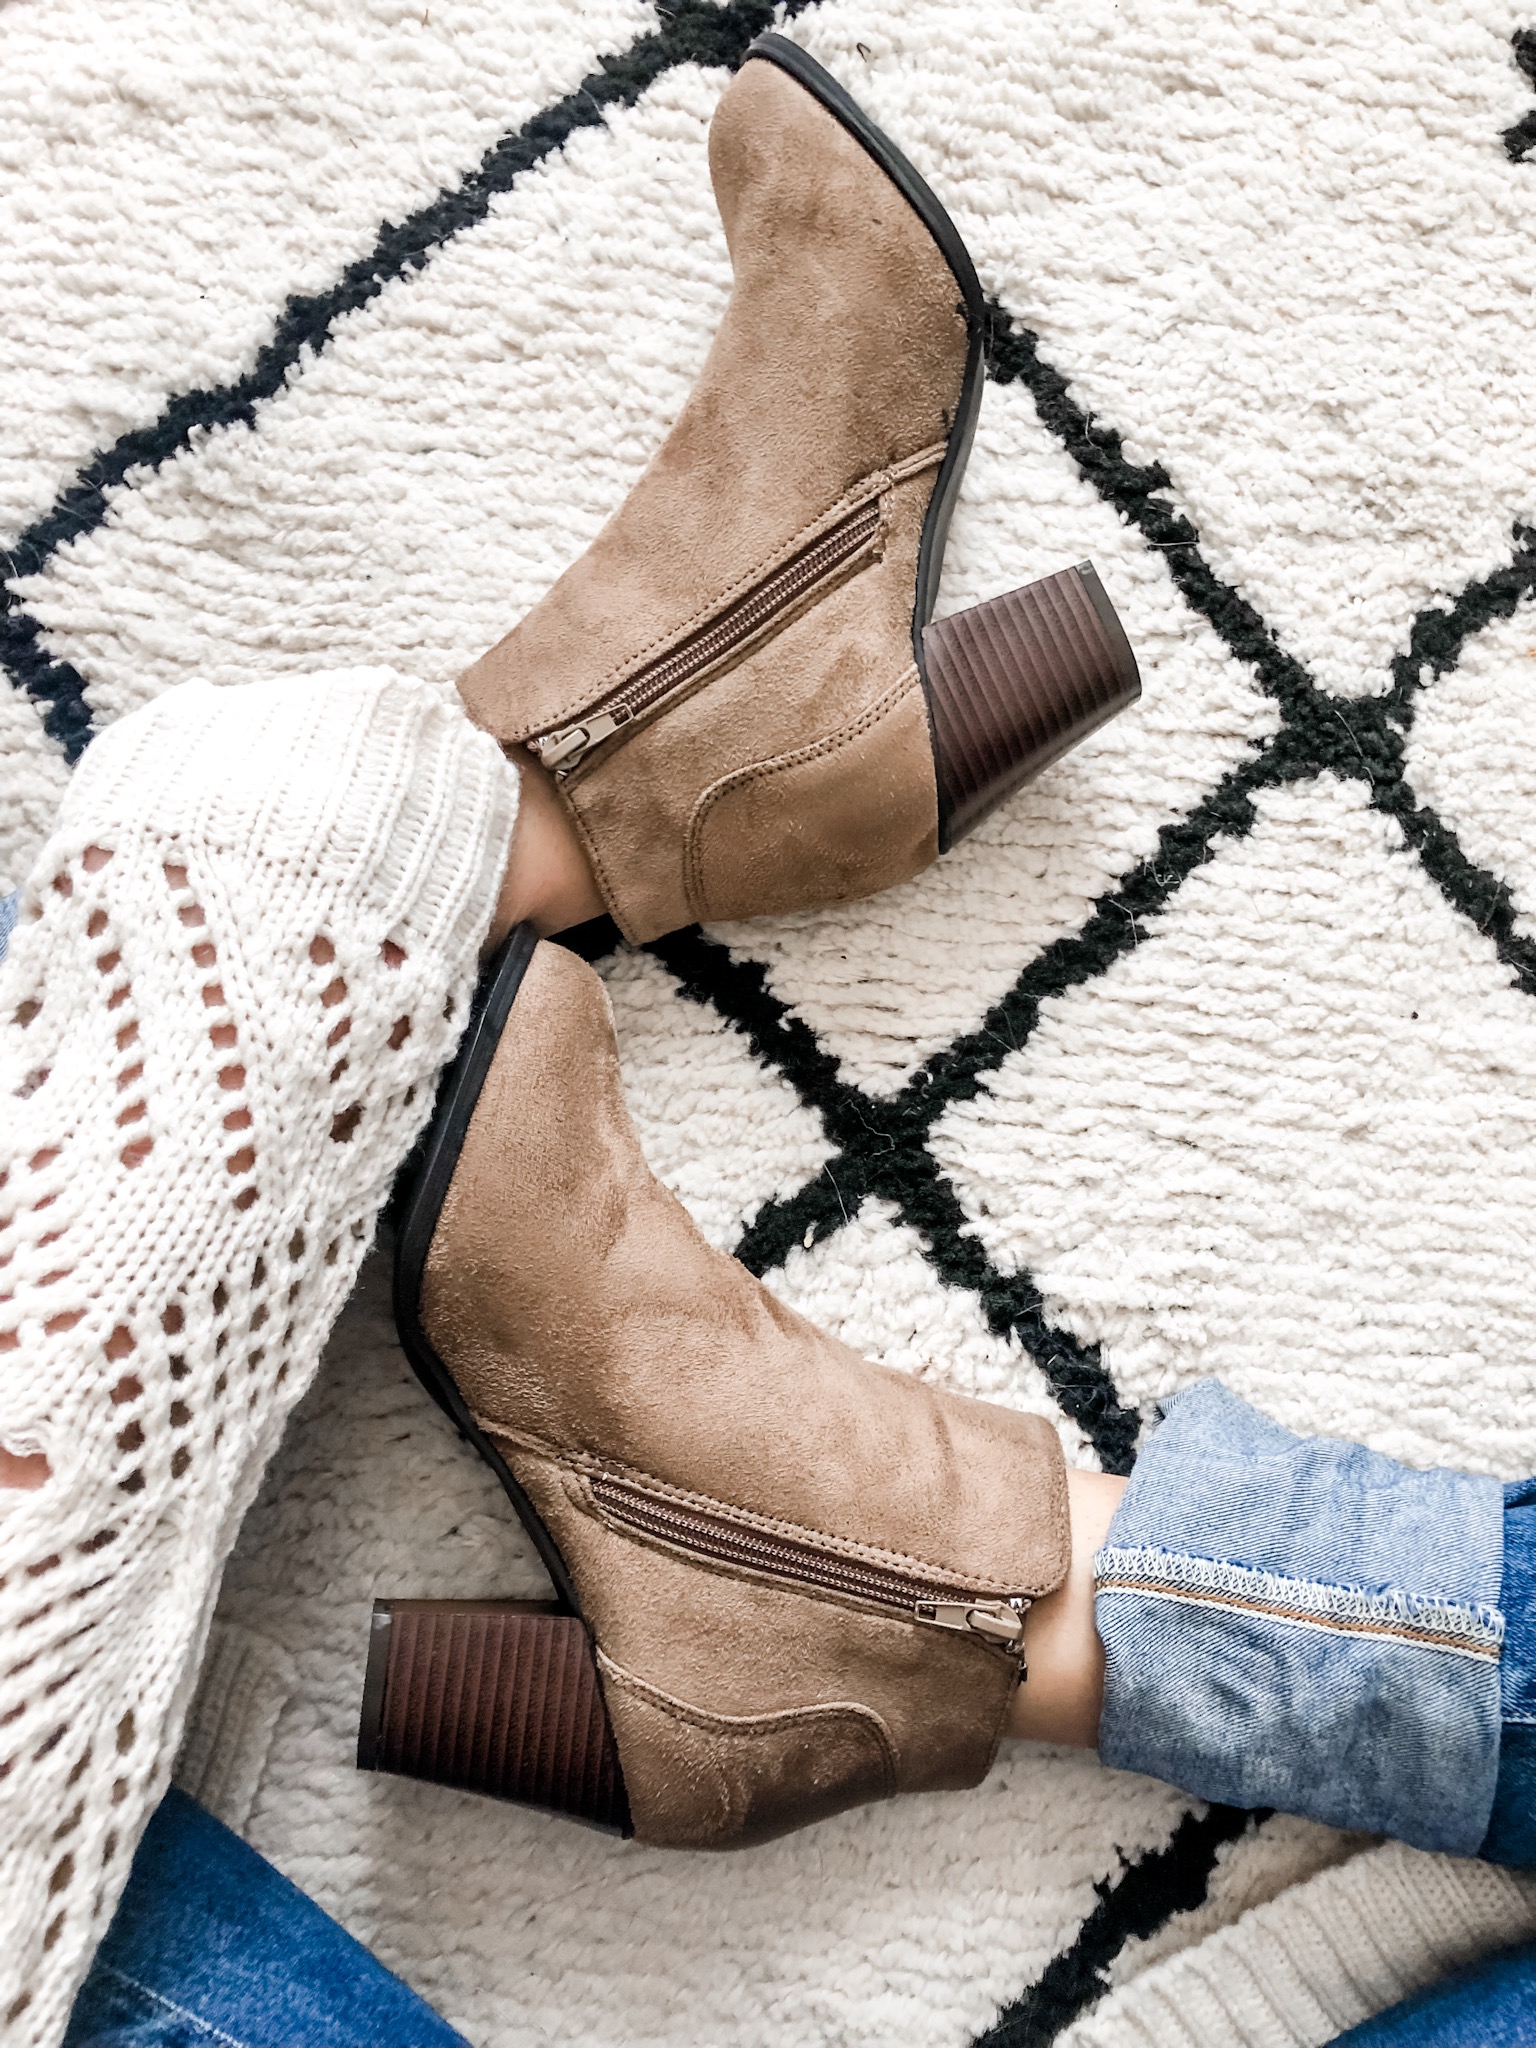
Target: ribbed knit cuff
[[1294, 1973]]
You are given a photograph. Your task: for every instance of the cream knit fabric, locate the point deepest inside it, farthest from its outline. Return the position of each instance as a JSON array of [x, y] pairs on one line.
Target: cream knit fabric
[[1324, 1956], [245, 952]]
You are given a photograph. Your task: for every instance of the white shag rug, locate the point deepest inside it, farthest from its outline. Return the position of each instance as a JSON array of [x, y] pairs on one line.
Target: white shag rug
[[330, 330]]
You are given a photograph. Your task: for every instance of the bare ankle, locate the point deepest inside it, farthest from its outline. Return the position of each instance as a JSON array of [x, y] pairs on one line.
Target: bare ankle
[[1061, 1699], [548, 881]]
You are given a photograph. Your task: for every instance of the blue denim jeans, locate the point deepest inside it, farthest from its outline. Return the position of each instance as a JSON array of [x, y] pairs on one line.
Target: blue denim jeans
[[213, 1948], [1490, 2005], [1512, 1830], [1301, 1623]]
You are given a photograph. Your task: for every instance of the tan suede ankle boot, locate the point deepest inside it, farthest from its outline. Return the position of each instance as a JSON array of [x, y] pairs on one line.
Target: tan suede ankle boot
[[737, 686], [789, 1580]]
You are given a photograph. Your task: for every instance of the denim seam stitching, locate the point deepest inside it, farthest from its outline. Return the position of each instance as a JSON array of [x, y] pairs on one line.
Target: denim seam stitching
[[1428, 1624], [181, 2012]]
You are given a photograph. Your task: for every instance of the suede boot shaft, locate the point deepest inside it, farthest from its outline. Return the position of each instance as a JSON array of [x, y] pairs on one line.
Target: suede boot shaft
[[732, 1494], [798, 767]]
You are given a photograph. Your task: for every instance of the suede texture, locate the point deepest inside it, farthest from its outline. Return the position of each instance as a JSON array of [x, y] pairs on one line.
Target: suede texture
[[820, 823], [739, 1780], [593, 1331], [833, 381]]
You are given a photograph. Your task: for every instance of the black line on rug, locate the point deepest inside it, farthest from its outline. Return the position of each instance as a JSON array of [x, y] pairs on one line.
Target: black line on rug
[[1136, 493], [1150, 1890], [1357, 738], [883, 1144], [1435, 646], [1520, 140], [709, 32], [883, 1154]]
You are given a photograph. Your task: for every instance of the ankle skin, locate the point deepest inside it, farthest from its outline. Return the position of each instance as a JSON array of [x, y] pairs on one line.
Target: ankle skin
[[1061, 1699], [548, 881]]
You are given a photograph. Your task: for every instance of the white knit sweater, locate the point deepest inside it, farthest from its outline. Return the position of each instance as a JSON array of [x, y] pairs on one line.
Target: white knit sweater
[[1325, 1955], [244, 954]]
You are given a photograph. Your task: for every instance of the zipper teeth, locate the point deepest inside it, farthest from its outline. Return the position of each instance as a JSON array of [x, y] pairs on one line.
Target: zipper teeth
[[746, 617], [753, 611], [731, 1542]]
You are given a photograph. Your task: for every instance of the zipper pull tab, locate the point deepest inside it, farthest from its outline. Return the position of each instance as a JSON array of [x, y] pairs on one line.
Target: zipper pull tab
[[999, 1621], [562, 750]]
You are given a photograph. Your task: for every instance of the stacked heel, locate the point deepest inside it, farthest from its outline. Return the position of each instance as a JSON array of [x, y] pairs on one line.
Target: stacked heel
[[499, 1697], [1014, 683]]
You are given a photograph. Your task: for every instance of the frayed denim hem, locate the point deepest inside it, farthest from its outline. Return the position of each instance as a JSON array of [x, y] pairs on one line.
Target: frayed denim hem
[[1302, 1603]]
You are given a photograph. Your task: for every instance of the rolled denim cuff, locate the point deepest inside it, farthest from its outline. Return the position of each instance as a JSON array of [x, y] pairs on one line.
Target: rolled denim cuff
[[1301, 1623]]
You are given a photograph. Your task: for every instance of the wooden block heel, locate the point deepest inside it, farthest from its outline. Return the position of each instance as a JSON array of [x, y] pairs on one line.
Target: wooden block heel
[[493, 1696], [1017, 681]]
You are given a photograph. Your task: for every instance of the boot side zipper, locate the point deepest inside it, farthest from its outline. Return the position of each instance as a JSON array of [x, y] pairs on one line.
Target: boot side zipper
[[800, 1560], [789, 585]]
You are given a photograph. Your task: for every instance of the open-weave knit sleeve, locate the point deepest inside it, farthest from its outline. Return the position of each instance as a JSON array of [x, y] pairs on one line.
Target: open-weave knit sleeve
[[243, 956]]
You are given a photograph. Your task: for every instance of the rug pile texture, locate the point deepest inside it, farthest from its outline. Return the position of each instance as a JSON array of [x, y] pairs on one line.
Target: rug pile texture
[[333, 329]]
